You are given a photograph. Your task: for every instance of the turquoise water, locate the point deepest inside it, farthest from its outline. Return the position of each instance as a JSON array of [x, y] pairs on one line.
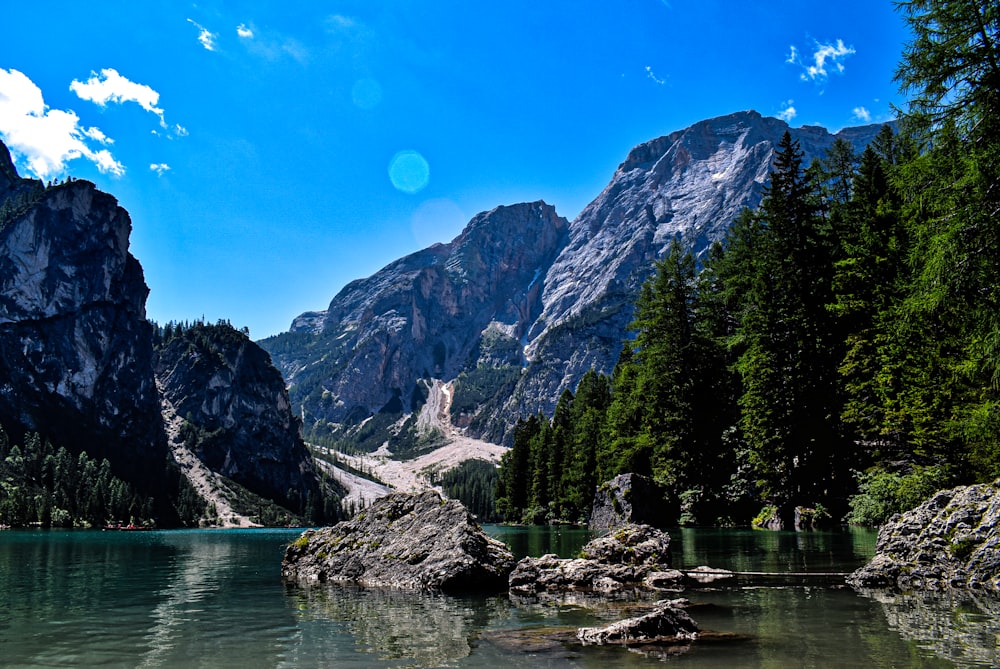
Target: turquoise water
[[215, 599]]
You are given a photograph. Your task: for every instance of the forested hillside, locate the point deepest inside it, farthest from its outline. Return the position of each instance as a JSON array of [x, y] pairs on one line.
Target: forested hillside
[[839, 350]]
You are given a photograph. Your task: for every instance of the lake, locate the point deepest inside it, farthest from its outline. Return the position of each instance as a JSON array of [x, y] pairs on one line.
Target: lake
[[205, 598]]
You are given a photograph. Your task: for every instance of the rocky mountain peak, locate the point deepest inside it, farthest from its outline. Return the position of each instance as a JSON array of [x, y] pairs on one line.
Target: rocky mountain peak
[[8, 175], [554, 297], [236, 416], [422, 316]]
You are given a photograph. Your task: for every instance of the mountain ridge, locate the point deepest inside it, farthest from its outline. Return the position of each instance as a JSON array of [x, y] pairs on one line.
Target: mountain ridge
[[575, 299]]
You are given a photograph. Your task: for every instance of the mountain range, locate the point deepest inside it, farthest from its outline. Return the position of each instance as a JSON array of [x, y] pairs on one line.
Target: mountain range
[[480, 331], [523, 302]]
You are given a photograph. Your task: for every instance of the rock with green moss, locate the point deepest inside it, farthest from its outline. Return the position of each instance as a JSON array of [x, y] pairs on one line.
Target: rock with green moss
[[414, 542], [634, 557], [951, 541]]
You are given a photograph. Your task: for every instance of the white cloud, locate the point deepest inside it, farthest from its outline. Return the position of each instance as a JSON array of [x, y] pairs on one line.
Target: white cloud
[[862, 114], [652, 75], [109, 86], [244, 32], [97, 135], [46, 138], [824, 58], [205, 36], [787, 112], [159, 168], [833, 53]]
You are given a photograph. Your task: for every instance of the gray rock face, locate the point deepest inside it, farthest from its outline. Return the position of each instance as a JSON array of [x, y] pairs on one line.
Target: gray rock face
[[421, 317], [630, 498], [632, 557], [950, 541], [561, 293], [237, 405], [404, 541], [75, 347], [666, 623]]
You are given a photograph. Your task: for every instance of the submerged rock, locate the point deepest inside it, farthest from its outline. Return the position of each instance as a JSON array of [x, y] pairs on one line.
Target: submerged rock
[[635, 556], [950, 541], [402, 541], [667, 623]]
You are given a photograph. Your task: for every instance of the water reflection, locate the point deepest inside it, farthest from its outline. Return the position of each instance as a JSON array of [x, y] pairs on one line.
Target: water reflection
[[152, 599], [192, 579], [960, 626], [535, 541], [754, 550], [424, 629], [215, 599]]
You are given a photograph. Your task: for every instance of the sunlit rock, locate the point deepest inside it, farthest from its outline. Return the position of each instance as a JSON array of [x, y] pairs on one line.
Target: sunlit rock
[[632, 557], [403, 541], [950, 541], [667, 622]]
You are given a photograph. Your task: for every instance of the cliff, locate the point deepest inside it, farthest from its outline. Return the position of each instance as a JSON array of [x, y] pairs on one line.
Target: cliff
[[76, 359], [424, 316], [235, 413]]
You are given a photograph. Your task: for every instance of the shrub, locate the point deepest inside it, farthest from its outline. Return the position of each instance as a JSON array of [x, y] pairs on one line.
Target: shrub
[[882, 494]]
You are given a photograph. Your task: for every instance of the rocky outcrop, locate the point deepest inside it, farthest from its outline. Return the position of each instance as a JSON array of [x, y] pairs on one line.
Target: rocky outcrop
[[76, 359], [630, 498], [402, 541], [553, 298], [238, 418], [950, 541], [668, 622], [631, 557]]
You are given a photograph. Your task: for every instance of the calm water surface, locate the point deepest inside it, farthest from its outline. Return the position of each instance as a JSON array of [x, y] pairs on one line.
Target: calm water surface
[[215, 599]]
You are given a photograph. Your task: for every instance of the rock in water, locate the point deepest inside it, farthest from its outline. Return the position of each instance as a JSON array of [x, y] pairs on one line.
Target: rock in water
[[632, 544], [403, 541], [950, 541], [667, 623], [635, 556], [630, 498]]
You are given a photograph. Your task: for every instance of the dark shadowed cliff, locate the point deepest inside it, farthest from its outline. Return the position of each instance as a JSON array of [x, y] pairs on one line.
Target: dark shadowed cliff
[[76, 358], [236, 414], [77, 362]]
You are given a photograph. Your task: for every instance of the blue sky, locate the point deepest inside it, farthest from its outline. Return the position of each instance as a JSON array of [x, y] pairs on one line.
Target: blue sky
[[269, 153]]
